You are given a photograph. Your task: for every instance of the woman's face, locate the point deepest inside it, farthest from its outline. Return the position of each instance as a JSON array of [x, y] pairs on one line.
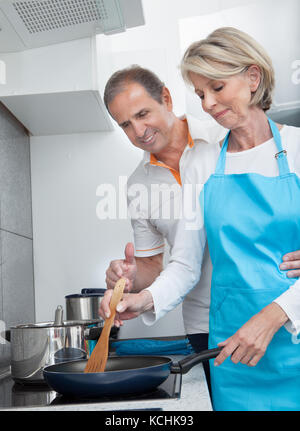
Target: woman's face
[[227, 100]]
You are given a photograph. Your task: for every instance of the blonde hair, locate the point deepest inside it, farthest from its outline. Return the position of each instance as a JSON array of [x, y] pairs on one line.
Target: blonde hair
[[227, 52]]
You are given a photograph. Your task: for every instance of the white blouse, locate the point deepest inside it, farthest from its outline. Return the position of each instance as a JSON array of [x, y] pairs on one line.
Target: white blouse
[[184, 268]]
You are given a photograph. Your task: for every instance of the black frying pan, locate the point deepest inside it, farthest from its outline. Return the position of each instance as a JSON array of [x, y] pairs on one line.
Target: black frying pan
[[123, 374]]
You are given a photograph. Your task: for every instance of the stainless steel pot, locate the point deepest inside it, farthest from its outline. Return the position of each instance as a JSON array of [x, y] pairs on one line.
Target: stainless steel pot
[[34, 346], [85, 306]]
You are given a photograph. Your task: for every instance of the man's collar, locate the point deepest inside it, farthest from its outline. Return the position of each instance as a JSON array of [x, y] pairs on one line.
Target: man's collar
[[146, 158], [150, 159], [190, 139]]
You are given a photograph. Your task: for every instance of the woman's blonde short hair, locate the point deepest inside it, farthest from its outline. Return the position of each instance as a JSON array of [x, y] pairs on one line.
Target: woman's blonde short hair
[[226, 52]]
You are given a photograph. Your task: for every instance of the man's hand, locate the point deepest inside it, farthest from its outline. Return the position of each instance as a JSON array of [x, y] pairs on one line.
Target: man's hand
[[249, 344], [126, 268], [291, 261], [131, 305]]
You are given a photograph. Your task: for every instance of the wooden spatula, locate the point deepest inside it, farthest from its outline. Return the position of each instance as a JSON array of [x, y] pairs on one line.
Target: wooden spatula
[[98, 358]]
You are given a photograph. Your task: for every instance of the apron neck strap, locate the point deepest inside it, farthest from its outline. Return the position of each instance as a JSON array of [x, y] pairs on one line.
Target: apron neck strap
[[283, 165], [220, 168], [280, 156]]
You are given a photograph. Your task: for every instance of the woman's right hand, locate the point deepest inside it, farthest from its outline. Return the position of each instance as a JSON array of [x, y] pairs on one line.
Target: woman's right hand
[[130, 307]]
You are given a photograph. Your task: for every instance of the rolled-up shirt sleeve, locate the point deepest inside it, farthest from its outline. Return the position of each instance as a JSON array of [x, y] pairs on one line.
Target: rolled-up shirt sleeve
[[184, 268], [289, 301], [148, 241]]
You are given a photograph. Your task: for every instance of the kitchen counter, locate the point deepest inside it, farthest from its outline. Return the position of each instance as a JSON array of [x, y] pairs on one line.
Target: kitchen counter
[[194, 397]]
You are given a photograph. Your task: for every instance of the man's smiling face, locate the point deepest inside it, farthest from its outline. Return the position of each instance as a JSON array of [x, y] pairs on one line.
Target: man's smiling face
[[146, 122]]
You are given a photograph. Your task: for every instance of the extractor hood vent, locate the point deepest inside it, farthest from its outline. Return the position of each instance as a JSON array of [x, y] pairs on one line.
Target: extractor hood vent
[[48, 15], [35, 23], [54, 14]]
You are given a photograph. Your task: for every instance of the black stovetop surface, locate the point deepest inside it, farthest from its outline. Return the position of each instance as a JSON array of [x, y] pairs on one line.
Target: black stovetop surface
[[16, 395]]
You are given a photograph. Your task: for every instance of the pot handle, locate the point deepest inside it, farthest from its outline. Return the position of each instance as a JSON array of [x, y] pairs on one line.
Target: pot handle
[[5, 335], [94, 333], [92, 292], [183, 366]]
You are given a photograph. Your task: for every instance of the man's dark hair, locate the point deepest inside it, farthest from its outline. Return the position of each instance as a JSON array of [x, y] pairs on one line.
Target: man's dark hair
[[146, 78]]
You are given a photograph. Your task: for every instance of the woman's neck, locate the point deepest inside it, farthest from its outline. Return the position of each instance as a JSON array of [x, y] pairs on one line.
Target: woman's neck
[[255, 130]]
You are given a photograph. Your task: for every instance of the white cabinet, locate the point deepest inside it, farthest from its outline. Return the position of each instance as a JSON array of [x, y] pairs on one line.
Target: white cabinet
[[55, 89]]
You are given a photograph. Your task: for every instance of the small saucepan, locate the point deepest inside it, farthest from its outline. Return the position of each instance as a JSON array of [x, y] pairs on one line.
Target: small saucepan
[[124, 375], [85, 305]]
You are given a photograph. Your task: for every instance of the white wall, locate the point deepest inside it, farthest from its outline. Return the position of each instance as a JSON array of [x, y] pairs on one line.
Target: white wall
[[274, 24], [72, 248], [156, 45]]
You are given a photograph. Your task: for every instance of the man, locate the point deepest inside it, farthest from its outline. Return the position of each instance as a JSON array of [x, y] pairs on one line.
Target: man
[[142, 106]]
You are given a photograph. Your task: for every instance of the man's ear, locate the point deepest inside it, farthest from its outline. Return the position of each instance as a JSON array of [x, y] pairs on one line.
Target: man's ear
[[167, 98], [254, 75]]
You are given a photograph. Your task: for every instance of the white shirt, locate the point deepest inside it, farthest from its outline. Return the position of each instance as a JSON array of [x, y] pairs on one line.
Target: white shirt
[[155, 204], [184, 268]]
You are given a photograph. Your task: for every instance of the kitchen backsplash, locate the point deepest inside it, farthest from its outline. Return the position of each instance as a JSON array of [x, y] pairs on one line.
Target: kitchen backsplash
[[16, 252]]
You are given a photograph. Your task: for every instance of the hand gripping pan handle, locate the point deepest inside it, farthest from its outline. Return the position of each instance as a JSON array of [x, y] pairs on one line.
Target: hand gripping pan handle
[[183, 366]]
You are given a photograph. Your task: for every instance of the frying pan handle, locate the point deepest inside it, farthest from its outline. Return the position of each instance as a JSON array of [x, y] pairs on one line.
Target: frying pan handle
[[183, 366]]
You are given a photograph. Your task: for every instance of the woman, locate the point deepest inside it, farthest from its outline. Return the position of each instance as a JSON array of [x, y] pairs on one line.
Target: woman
[[251, 214], [250, 206]]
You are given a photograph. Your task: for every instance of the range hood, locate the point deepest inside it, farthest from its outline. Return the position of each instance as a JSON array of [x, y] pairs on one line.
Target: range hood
[[35, 23], [55, 61]]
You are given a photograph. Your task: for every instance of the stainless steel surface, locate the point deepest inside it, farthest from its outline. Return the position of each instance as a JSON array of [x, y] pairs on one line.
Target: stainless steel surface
[[58, 316], [83, 307], [34, 346]]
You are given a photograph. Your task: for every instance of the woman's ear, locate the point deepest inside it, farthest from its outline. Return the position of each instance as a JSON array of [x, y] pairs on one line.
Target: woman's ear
[[254, 75]]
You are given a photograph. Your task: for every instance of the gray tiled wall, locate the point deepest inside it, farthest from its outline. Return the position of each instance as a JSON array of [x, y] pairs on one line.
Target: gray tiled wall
[[16, 269]]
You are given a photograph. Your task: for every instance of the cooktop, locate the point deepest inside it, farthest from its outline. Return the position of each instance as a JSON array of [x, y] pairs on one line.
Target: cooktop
[[16, 395]]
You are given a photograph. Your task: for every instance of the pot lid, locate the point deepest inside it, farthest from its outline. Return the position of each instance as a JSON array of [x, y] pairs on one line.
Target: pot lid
[[65, 324], [86, 293]]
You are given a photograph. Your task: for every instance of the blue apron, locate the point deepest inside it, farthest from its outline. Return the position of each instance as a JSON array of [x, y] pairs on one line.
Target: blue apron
[[251, 222]]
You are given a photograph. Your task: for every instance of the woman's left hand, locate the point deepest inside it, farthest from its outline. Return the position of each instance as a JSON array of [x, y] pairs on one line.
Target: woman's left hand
[[291, 263], [249, 344]]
